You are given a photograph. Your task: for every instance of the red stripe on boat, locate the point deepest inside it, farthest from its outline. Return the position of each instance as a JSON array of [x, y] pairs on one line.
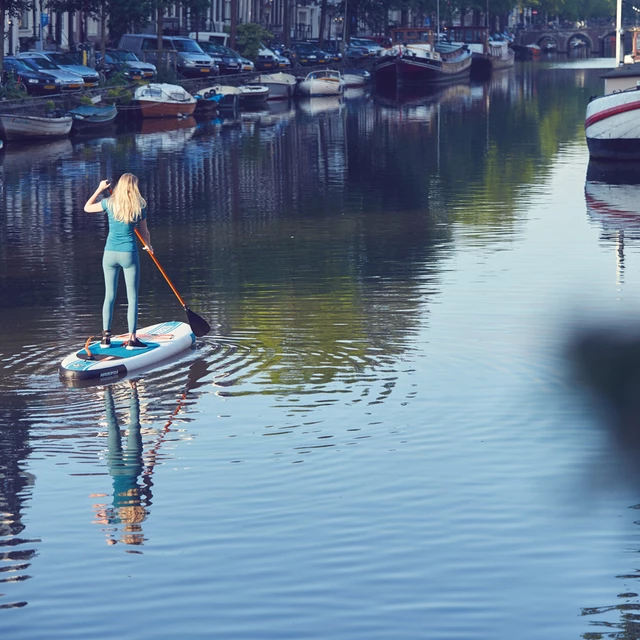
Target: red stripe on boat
[[613, 111]]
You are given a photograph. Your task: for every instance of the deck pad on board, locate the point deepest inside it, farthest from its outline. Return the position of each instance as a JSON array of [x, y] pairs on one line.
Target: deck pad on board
[[117, 350]]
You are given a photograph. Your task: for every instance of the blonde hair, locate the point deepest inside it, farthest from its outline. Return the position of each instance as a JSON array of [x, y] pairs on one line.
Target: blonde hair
[[125, 202]]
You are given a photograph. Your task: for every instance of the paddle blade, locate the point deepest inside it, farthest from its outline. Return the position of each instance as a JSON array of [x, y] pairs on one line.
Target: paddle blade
[[199, 326]]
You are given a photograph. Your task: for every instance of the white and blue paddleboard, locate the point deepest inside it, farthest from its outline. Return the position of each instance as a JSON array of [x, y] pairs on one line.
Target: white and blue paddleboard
[[163, 341]]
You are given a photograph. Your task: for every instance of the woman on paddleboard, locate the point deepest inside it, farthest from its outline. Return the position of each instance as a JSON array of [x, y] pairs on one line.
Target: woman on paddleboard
[[126, 209]]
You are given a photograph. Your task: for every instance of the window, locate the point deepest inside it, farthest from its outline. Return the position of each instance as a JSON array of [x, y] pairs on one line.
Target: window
[[24, 19]]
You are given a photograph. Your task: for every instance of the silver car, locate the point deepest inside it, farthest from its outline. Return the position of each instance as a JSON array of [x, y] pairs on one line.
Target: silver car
[[65, 63]]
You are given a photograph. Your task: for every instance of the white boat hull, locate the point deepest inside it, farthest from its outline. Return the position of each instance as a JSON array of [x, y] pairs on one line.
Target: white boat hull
[[612, 126], [164, 101], [321, 87], [281, 85], [19, 127]]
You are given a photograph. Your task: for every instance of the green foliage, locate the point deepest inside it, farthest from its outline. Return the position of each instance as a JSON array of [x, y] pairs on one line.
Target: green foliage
[[49, 106], [128, 16], [120, 95], [12, 90], [249, 37], [117, 80], [167, 74], [86, 101]]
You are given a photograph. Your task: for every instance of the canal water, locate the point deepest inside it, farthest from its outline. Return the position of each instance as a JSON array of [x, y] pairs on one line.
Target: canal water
[[382, 437]]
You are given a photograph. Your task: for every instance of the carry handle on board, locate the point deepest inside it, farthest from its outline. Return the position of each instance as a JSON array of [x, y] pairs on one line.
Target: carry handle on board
[[199, 326]]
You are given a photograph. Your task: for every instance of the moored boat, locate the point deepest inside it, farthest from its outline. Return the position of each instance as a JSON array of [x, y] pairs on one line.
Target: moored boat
[[416, 59], [612, 122], [210, 100], [526, 51], [487, 54], [281, 85], [26, 127], [324, 82], [164, 101], [248, 95], [92, 118], [356, 78]]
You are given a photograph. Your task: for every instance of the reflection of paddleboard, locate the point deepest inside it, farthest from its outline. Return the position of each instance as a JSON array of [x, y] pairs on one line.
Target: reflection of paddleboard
[[110, 363]]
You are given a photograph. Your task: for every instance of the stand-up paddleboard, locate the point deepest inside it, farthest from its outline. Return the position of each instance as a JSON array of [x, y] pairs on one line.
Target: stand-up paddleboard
[[94, 362]]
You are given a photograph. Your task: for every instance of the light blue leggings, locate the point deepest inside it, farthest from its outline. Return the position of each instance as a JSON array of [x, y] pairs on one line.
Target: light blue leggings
[[112, 262]]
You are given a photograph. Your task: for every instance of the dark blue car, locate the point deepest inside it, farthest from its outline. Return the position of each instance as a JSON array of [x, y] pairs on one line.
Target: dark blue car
[[35, 80]]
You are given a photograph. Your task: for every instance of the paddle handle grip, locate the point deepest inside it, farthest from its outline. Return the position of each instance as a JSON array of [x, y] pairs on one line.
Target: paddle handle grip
[[162, 271]]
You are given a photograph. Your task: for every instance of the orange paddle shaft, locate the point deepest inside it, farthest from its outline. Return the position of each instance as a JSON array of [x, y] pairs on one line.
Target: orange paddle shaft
[[162, 271]]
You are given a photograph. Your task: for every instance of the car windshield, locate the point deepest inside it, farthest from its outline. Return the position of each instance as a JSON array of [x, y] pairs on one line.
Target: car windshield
[[190, 46], [43, 63], [362, 42], [231, 52], [123, 56], [64, 58], [20, 65], [305, 47]]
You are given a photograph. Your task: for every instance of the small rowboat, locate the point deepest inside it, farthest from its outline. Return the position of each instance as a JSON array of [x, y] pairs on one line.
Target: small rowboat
[[248, 95], [164, 101], [20, 127], [322, 83], [92, 118]]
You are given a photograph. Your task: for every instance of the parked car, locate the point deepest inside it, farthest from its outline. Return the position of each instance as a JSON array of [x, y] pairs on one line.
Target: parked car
[[125, 62], [191, 60], [247, 65], [68, 81], [90, 77], [306, 54], [269, 60], [69, 63], [372, 47], [227, 60], [356, 53], [35, 81], [331, 51]]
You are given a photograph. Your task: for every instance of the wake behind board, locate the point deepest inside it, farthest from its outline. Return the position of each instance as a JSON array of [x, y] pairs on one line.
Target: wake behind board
[[163, 341]]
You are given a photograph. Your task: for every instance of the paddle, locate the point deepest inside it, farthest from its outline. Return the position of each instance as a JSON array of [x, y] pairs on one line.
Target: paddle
[[199, 326]]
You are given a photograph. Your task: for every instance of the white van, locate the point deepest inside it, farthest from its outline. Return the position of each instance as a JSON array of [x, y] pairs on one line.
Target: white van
[[216, 37]]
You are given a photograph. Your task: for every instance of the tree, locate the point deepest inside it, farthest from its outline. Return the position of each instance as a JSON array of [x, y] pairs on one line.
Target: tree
[[12, 9], [197, 8], [128, 16], [250, 37]]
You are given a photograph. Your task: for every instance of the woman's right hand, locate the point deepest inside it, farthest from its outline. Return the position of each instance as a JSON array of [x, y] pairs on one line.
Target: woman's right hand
[[104, 184]]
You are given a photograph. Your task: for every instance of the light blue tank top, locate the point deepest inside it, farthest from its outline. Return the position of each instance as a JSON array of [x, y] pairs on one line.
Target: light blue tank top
[[121, 236]]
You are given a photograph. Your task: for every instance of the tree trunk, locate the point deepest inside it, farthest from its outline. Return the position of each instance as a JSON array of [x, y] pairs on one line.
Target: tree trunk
[[286, 22], [3, 12], [103, 28], [233, 26], [323, 20], [71, 38], [159, 30]]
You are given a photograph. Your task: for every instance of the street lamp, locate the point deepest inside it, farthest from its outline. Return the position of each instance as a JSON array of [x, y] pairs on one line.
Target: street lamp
[[10, 37]]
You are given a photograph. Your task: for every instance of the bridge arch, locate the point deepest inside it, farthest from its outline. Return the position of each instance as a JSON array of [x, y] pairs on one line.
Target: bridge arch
[[597, 38], [580, 36]]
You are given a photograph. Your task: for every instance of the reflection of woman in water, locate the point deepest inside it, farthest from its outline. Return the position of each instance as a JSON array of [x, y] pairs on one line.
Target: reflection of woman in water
[[125, 466]]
